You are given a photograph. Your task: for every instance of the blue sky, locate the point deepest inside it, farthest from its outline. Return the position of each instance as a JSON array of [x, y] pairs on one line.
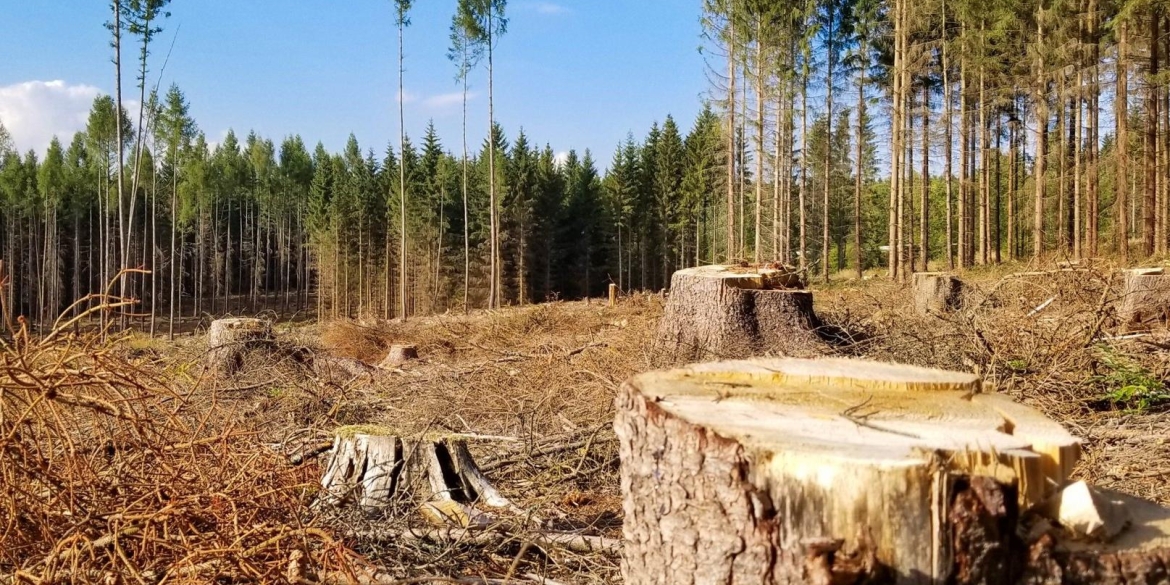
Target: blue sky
[[574, 73]]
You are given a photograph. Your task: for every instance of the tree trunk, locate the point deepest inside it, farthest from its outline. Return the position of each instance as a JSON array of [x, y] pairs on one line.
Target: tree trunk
[[726, 311], [1150, 207], [803, 160], [860, 170], [841, 471], [825, 210], [1041, 98], [1121, 119], [731, 142], [402, 186], [894, 255], [230, 340], [937, 293], [948, 148], [924, 202], [376, 468]]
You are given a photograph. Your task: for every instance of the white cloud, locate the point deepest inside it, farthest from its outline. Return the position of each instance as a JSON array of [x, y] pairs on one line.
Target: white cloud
[[561, 158], [446, 100], [550, 8], [35, 111], [407, 97]]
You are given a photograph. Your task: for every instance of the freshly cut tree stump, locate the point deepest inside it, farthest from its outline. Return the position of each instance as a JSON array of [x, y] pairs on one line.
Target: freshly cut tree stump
[[230, 339], [1145, 299], [842, 471], [399, 355], [375, 468], [732, 311], [936, 293]]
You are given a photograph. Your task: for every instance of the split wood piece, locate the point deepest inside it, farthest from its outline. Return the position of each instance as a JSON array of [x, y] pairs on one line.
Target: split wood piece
[[768, 471], [230, 339], [376, 467], [399, 355], [613, 294], [1145, 299], [729, 311], [936, 293], [985, 534]]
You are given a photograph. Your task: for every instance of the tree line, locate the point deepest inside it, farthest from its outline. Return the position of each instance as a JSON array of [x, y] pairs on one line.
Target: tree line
[[1007, 130], [838, 135]]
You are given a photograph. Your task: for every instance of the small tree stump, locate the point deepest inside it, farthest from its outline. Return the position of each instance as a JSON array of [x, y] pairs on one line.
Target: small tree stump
[[375, 468], [1145, 299], [230, 339], [842, 471], [399, 355], [936, 293], [730, 311]]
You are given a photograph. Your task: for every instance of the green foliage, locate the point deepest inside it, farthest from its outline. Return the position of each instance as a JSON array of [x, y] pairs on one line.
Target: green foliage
[[1129, 385]]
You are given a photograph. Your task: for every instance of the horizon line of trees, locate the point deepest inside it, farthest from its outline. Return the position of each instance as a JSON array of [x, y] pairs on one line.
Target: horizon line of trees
[[781, 165], [1008, 96]]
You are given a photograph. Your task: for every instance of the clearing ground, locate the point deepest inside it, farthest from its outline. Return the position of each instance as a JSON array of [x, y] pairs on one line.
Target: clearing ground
[[134, 459]]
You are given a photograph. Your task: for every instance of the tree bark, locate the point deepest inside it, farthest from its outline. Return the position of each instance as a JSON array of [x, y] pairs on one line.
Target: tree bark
[[727, 311], [840, 471], [1121, 119]]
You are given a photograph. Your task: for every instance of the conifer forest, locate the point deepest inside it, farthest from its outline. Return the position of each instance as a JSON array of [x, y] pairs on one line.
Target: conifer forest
[[836, 133]]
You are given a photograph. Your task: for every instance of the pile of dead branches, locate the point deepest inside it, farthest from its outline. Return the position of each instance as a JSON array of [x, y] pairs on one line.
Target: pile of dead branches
[[108, 474]]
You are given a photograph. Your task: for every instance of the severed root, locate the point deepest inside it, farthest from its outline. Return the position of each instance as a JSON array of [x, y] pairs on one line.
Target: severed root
[[375, 468]]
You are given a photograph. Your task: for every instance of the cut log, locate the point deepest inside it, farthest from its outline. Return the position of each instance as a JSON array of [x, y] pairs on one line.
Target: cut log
[[231, 339], [730, 311], [936, 293], [377, 468], [1145, 299], [834, 471], [399, 355], [613, 290]]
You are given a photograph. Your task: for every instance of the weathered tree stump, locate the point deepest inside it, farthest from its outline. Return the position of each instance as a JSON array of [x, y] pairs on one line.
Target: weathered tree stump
[[376, 468], [842, 471], [399, 355], [230, 339], [936, 293], [730, 311], [1145, 299]]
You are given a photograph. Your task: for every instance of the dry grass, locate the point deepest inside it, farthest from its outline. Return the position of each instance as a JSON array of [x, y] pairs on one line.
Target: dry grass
[[1041, 335], [128, 460], [111, 470]]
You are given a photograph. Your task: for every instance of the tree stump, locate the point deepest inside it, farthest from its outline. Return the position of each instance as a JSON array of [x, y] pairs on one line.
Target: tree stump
[[376, 468], [731, 311], [399, 355], [1145, 299], [230, 339], [841, 471], [936, 293]]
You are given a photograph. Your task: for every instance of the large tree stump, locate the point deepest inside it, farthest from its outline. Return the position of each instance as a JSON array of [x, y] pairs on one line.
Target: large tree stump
[[398, 356], [840, 471], [731, 311], [229, 340], [377, 468], [1145, 299], [936, 293]]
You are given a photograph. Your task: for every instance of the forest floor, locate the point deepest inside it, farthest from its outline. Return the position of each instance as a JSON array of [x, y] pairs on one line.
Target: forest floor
[[538, 383]]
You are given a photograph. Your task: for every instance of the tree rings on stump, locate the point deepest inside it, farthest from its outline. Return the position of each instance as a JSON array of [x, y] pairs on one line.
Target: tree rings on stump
[[755, 471], [376, 468], [1145, 299], [936, 293], [230, 339], [399, 355], [731, 311]]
